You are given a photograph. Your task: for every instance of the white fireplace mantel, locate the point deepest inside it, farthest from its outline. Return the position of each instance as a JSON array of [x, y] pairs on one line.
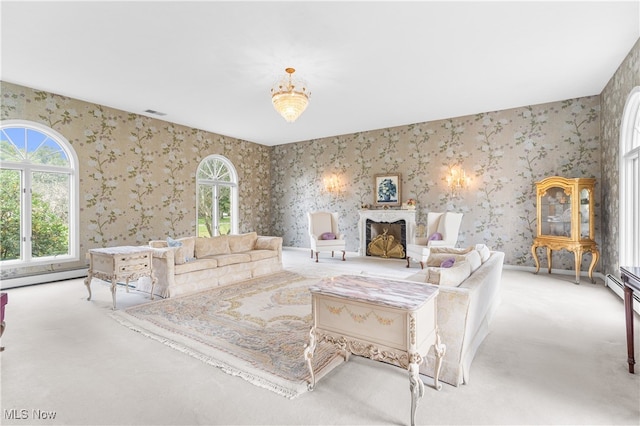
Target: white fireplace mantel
[[409, 217]]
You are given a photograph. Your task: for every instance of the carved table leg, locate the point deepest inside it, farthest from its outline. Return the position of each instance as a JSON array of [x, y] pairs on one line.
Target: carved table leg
[[153, 284], [308, 356], [534, 253], [87, 282], [440, 349], [595, 255], [408, 261], [415, 384], [114, 284], [549, 259]]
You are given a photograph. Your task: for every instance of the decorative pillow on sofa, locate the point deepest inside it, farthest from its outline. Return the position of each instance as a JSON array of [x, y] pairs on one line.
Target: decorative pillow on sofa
[[451, 277], [448, 263], [484, 251], [328, 236], [436, 259], [178, 253], [451, 250], [243, 242], [210, 246]]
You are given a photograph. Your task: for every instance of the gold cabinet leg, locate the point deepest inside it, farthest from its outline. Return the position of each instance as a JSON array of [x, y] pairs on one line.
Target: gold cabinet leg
[[577, 254], [595, 255], [549, 259], [534, 253]]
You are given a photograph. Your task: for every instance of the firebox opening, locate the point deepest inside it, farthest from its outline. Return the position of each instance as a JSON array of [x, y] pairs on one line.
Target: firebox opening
[[396, 229]]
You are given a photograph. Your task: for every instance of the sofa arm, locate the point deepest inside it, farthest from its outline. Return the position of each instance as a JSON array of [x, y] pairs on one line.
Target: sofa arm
[[270, 243], [164, 267]]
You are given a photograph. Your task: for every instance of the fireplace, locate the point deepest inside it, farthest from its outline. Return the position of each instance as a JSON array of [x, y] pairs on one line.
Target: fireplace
[[399, 223], [386, 236]]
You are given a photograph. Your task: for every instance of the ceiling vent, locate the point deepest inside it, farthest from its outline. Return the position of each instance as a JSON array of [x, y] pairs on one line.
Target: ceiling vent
[[158, 113]]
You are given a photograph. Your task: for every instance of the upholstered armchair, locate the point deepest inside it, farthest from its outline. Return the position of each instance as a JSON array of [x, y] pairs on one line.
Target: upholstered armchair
[[442, 231], [324, 234]]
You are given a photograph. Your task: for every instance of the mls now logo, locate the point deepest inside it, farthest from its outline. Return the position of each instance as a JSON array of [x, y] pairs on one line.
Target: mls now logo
[[24, 414]]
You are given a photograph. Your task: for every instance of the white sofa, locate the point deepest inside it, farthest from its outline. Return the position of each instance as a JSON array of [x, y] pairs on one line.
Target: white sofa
[[464, 310], [199, 263]]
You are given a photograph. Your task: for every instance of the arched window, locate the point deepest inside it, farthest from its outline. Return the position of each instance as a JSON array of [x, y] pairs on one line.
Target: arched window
[[38, 195], [630, 181], [217, 183]]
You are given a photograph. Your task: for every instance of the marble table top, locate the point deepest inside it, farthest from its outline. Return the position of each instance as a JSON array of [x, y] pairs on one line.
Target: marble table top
[[381, 291], [121, 250]]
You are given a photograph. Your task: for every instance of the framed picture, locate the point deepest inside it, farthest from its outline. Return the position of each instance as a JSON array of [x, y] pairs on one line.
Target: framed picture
[[387, 191]]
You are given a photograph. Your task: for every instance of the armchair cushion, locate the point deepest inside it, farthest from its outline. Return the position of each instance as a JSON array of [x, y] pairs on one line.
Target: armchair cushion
[[436, 236], [328, 236]]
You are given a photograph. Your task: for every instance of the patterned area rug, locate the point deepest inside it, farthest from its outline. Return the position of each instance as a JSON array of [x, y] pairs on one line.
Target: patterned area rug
[[256, 329]]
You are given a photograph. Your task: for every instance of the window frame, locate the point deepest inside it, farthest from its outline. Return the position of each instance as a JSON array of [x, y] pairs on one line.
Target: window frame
[[27, 169], [629, 250], [215, 184]]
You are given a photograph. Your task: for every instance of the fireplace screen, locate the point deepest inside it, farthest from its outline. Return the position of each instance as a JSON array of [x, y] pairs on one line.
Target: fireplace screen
[[385, 239]]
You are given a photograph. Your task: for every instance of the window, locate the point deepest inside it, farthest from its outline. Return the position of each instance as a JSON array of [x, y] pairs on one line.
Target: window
[[630, 181], [38, 195], [217, 186]]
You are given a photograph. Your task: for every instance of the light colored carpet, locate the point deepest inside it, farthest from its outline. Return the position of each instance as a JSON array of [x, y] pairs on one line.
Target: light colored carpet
[[556, 354], [256, 330]]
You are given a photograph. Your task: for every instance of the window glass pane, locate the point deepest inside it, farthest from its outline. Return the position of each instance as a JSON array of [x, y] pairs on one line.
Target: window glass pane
[[50, 214], [47, 152], [205, 211], [224, 209], [17, 136], [10, 214], [8, 149]]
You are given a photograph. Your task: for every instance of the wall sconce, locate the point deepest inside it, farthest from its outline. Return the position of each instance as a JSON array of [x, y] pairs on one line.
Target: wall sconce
[[332, 184], [457, 180]]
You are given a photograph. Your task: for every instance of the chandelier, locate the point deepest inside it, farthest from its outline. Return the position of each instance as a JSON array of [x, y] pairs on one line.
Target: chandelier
[[290, 97]]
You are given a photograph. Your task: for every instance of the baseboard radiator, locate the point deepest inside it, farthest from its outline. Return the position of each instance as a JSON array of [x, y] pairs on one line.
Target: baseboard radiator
[[42, 278], [615, 284]]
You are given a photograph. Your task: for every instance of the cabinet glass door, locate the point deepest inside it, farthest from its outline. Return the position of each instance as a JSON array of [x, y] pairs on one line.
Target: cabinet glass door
[[555, 213], [584, 214]]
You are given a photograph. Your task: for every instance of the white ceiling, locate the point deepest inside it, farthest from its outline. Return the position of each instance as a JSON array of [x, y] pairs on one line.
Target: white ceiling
[[369, 65]]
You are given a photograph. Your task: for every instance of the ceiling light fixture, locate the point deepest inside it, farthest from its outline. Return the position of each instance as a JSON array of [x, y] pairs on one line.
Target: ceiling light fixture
[[290, 97]]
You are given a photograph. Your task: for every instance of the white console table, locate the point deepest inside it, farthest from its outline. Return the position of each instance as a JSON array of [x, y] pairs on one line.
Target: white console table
[[385, 320], [118, 263]]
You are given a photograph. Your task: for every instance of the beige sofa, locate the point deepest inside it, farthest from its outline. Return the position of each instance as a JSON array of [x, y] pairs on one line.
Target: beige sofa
[[466, 306], [198, 263]]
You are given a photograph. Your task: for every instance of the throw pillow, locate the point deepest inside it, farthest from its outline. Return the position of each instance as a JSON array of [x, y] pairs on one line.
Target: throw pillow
[[450, 277], [484, 251], [173, 243], [448, 263], [243, 242], [436, 236], [178, 252], [328, 236]]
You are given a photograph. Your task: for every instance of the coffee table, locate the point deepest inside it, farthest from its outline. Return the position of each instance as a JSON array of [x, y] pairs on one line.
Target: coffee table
[[381, 319]]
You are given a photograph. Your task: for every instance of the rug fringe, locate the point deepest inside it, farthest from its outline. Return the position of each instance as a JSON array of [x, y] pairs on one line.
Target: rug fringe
[[257, 381]]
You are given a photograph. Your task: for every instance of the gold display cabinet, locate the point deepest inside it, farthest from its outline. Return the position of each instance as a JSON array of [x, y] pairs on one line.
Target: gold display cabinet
[[566, 220]]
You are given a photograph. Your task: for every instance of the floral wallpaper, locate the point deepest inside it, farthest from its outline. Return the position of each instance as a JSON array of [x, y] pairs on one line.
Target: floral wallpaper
[[137, 174], [613, 99], [504, 153]]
